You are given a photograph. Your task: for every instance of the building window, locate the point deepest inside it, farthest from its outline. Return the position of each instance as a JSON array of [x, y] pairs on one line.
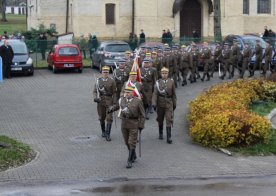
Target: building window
[[245, 6], [264, 6], [110, 13]]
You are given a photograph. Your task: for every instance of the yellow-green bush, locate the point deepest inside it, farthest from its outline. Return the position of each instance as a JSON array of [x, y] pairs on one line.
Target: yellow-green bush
[[219, 117]]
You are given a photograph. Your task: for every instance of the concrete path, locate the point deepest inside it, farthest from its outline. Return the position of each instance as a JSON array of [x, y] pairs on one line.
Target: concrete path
[[55, 114]]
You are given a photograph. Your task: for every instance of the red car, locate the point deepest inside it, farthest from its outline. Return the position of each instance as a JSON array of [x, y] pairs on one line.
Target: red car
[[65, 56]]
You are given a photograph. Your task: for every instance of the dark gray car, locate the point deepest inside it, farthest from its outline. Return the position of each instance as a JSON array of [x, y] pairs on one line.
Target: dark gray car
[[108, 53], [22, 62]]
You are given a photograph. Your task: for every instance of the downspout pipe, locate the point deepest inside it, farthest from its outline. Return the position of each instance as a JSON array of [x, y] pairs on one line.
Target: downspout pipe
[[133, 16], [67, 16]]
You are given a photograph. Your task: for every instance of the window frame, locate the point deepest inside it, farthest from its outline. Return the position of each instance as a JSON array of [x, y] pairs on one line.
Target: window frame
[[246, 7], [264, 6], [110, 14]]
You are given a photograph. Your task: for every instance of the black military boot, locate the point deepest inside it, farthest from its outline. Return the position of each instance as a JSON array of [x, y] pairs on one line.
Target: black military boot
[[184, 83], [208, 77], [160, 132], [169, 139], [203, 77], [147, 113], [222, 77], [129, 161], [133, 156], [107, 133], [103, 129]]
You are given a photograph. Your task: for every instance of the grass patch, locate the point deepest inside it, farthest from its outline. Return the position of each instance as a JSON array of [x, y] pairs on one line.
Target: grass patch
[[261, 149], [16, 23], [43, 64], [13, 153]]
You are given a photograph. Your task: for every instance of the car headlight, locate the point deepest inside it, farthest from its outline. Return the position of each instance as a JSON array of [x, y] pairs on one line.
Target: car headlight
[[29, 61]]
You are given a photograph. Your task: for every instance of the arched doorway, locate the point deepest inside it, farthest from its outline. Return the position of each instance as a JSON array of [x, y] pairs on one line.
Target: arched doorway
[[190, 18]]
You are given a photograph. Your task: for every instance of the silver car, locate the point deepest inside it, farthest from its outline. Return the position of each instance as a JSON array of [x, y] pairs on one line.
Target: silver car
[[108, 53]]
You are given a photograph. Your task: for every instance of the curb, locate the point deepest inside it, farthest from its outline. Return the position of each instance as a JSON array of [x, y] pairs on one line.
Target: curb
[[270, 116]]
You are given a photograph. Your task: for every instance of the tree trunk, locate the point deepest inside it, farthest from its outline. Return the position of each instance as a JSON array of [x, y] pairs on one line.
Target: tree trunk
[[217, 20], [3, 10]]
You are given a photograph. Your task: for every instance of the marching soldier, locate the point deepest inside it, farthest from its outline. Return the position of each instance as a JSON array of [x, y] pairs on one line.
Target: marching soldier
[[194, 54], [104, 94], [132, 114], [259, 55], [121, 75], [185, 63], [164, 102], [226, 59], [129, 61], [267, 57], [148, 80], [157, 62], [206, 57], [170, 63], [216, 58], [247, 54], [235, 53]]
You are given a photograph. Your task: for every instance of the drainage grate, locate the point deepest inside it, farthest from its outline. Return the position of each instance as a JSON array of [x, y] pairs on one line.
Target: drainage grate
[[83, 139]]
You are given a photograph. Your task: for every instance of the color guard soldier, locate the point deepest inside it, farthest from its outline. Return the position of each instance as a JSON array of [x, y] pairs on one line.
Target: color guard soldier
[[121, 75], [247, 55], [104, 94], [259, 55], [132, 114], [267, 57], [164, 102], [235, 54], [148, 80], [216, 58], [205, 55]]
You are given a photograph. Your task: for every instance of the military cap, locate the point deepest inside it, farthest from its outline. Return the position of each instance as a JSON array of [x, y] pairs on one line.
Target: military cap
[[122, 60], [166, 45], [127, 52], [174, 47], [168, 49], [226, 43], [148, 54], [105, 69], [183, 46], [205, 42], [164, 70], [154, 52], [257, 40], [217, 42], [146, 60], [129, 89], [133, 73]]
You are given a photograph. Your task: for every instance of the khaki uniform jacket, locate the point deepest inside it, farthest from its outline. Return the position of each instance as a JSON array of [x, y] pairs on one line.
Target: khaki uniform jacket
[[132, 113], [107, 91], [258, 52], [268, 54], [186, 60], [164, 94], [217, 53], [139, 88], [170, 63], [247, 54]]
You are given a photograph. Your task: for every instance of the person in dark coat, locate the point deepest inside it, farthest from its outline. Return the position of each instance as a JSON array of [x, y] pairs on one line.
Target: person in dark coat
[[42, 44], [142, 36], [7, 54], [164, 37]]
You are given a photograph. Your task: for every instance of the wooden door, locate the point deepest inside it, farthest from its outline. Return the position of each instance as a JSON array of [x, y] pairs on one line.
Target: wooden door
[[190, 18]]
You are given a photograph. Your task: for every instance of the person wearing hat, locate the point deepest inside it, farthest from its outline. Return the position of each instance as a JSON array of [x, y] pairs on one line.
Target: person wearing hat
[[104, 94], [226, 60], [259, 54], [121, 75], [247, 55], [235, 56], [132, 114], [82, 45], [148, 80], [129, 61], [185, 63], [267, 58], [177, 55], [194, 65], [216, 58], [170, 62], [164, 102], [205, 55]]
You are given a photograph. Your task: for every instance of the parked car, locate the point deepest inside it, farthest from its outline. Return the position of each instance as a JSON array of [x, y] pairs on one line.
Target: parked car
[[108, 53], [22, 62], [65, 56], [251, 39]]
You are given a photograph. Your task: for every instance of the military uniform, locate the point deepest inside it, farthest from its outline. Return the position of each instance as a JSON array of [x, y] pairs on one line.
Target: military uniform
[[120, 75], [169, 62], [132, 114], [226, 59], [195, 55], [205, 55], [247, 54], [164, 100], [148, 80], [235, 54], [104, 94], [216, 59], [267, 57], [186, 61], [259, 55]]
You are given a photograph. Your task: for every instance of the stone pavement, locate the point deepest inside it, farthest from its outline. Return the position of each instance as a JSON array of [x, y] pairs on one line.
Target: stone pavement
[[56, 116]]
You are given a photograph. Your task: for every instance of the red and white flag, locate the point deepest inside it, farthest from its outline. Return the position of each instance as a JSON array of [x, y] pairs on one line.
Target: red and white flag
[[135, 90], [136, 68]]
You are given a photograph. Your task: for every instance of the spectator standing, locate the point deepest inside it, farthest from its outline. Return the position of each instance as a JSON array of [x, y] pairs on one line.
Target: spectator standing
[[6, 35], [95, 43], [164, 37], [83, 46], [6, 52], [195, 35], [42, 44], [142, 37], [266, 33], [169, 37]]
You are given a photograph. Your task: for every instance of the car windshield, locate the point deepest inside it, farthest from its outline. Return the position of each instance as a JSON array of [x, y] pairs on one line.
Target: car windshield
[[68, 51], [19, 47], [117, 48], [252, 41]]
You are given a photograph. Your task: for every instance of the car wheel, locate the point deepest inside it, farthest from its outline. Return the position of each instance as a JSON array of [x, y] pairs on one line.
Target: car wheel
[[92, 64], [100, 67], [49, 67], [54, 69], [80, 70]]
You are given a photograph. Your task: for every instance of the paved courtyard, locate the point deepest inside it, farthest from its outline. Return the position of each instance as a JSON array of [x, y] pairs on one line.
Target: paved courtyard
[[55, 114]]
